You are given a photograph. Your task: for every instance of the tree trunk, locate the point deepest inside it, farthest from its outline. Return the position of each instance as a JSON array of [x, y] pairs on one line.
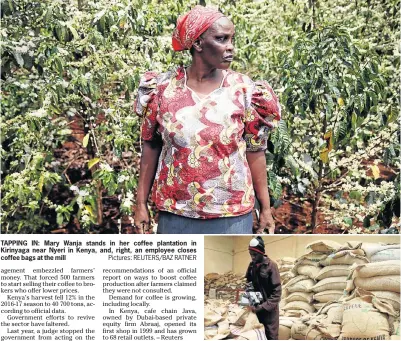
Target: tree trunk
[[315, 206], [99, 203], [318, 190], [313, 15], [91, 149]]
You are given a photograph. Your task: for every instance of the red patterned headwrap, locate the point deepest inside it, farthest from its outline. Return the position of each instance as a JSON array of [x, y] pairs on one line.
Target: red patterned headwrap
[[192, 24]]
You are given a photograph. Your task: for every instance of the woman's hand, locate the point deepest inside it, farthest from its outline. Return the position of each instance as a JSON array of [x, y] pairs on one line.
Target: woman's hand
[[266, 221], [149, 160], [257, 165], [141, 219]]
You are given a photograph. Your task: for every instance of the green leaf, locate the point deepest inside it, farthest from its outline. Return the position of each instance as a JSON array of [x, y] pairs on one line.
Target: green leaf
[[330, 103], [274, 185], [90, 210], [324, 155], [58, 65], [292, 164], [59, 33], [85, 141], [355, 195], [374, 227], [73, 31], [370, 198], [19, 59], [375, 171], [102, 22], [366, 221], [40, 184], [111, 188], [354, 120], [49, 14], [373, 96], [348, 221], [60, 219], [10, 4], [301, 188], [93, 162]]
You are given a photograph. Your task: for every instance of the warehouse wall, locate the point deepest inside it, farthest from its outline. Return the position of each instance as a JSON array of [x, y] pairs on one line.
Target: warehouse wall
[[294, 246], [230, 253], [276, 247], [219, 253]]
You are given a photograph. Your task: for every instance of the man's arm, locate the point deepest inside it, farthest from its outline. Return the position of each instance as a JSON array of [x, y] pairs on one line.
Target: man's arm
[[275, 283], [257, 165], [248, 274]]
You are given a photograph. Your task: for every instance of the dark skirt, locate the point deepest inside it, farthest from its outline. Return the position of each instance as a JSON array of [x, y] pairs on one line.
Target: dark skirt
[[174, 224]]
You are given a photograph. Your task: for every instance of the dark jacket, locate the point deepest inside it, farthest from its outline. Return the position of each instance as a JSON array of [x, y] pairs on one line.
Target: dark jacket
[[266, 279]]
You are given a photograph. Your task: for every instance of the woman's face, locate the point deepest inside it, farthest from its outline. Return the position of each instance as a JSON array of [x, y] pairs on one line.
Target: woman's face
[[217, 44]]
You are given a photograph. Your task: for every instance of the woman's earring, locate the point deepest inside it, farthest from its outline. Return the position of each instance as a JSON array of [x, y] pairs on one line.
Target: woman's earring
[[197, 45]]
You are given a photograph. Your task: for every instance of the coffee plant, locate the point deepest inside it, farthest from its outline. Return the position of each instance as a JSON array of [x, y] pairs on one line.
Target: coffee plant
[[70, 138]]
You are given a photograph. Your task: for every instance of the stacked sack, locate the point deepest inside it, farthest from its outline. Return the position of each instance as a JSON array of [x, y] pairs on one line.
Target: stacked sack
[[285, 325], [298, 292], [285, 266], [227, 281], [315, 328], [323, 325], [309, 266], [384, 256], [224, 320], [361, 316], [378, 252], [366, 317], [382, 279], [297, 295], [395, 335], [338, 275], [215, 312], [331, 279], [332, 312], [382, 276]]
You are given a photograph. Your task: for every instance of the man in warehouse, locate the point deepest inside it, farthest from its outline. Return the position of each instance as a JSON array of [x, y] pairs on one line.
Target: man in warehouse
[[265, 277]]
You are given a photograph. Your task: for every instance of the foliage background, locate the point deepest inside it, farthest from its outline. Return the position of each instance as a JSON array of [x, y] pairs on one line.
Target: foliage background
[[70, 140]]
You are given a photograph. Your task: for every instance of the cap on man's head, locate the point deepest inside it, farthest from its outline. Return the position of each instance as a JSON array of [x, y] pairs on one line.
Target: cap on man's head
[[257, 244]]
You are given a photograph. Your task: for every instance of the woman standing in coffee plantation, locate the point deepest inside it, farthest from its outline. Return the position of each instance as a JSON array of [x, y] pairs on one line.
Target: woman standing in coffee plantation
[[204, 136]]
